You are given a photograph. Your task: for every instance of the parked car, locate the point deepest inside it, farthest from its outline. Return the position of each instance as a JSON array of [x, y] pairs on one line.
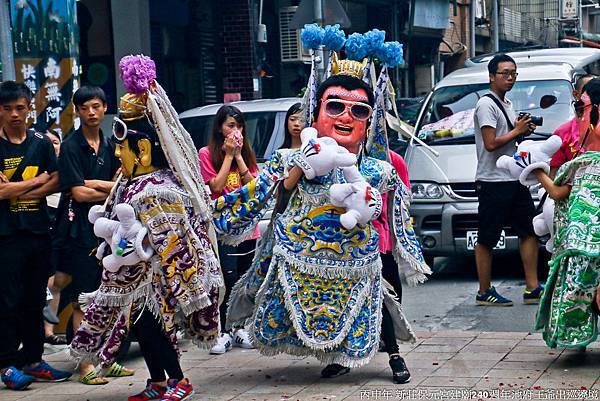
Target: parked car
[[408, 108], [445, 204], [265, 120], [581, 57]]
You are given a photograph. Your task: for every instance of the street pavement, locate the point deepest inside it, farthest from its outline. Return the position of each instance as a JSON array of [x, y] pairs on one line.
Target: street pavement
[[464, 352], [445, 365]]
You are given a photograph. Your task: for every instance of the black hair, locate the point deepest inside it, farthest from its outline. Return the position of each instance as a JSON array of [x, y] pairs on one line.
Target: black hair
[[54, 133], [147, 131], [497, 59], [287, 141], [88, 92], [217, 140], [592, 88], [345, 81], [11, 91], [579, 84]]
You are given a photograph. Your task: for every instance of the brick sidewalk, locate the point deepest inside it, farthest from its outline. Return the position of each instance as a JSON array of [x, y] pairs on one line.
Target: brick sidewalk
[[444, 366]]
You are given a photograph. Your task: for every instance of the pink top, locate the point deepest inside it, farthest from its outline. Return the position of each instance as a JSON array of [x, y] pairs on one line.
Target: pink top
[[234, 181], [381, 224], [569, 133]]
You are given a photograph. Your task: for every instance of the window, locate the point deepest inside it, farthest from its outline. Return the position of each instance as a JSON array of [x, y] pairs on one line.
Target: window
[[449, 113], [259, 128]]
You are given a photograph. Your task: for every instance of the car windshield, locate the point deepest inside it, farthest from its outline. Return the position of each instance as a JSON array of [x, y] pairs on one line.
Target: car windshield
[[259, 128], [448, 116]]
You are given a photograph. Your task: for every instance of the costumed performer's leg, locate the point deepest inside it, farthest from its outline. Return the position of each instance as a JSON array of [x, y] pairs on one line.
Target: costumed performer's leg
[[400, 373], [388, 335], [160, 357]]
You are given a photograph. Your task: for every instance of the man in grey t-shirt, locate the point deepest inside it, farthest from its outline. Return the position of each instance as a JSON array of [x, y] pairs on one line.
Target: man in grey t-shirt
[[502, 199]]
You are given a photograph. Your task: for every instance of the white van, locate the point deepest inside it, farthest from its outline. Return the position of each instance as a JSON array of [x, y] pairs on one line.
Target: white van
[[586, 58], [445, 204]]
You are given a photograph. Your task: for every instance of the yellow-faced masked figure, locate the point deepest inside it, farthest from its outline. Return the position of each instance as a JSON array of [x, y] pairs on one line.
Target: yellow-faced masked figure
[[162, 183]]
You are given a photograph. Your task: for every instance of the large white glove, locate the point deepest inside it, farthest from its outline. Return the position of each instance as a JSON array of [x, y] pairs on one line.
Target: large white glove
[[318, 156], [362, 202], [530, 155], [125, 238], [542, 223]]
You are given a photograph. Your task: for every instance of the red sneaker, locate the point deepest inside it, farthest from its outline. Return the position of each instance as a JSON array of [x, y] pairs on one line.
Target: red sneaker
[[178, 390], [152, 392]]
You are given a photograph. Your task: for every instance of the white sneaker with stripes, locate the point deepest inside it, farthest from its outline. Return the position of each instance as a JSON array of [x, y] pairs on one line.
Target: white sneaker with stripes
[[241, 339], [224, 344]]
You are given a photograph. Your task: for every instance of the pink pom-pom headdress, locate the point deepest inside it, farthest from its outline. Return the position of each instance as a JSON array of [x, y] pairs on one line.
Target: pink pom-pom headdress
[[137, 73]]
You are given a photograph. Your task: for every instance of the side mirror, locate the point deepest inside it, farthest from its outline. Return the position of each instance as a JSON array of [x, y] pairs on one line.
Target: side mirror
[[547, 101]]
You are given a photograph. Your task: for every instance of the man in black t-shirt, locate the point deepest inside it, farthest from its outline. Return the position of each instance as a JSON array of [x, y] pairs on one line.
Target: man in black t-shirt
[[88, 168], [27, 174]]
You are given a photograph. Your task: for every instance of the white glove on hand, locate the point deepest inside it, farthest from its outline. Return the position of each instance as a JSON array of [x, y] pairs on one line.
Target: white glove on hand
[[125, 238], [362, 202], [530, 155], [318, 156]]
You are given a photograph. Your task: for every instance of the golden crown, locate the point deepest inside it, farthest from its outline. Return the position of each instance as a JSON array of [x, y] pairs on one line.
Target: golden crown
[[347, 67], [132, 107]]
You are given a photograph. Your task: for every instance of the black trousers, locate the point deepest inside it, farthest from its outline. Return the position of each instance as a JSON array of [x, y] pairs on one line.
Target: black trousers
[[391, 275], [24, 266], [159, 355], [233, 268]]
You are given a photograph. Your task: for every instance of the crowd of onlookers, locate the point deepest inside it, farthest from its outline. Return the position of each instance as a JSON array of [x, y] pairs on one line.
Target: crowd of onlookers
[[47, 187]]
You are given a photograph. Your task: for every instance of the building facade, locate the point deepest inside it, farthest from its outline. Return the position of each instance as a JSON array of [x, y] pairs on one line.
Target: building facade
[[210, 51]]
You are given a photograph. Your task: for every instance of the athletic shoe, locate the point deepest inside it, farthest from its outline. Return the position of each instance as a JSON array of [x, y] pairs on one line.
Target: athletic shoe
[[224, 344], [178, 390], [46, 373], [152, 392], [334, 370], [16, 379], [241, 338], [400, 373], [54, 339], [533, 296], [491, 298]]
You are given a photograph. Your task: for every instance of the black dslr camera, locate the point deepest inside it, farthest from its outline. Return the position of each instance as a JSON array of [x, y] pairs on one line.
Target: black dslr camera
[[537, 120]]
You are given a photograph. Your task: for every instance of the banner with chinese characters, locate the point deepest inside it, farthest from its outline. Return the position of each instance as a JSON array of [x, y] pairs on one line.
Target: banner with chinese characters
[[46, 43]]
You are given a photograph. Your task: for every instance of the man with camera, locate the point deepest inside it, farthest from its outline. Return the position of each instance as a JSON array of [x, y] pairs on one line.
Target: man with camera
[[501, 198]]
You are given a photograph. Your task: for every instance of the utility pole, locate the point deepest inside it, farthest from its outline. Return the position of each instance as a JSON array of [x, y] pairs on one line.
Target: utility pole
[[319, 52], [6, 48], [495, 27], [580, 23], [473, 11]]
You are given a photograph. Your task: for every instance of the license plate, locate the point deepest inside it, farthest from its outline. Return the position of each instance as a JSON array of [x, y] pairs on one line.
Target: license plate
[[472, 240]]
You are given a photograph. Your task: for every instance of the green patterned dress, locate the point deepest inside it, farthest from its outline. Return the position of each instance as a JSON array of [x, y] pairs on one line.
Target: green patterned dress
[[565, 312]]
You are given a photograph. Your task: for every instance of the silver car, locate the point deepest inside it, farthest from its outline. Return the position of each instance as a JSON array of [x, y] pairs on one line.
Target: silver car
[[265, 121]]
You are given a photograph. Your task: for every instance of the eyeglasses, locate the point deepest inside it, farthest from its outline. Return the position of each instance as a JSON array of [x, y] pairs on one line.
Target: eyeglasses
[[579, 106], [120, 130], [336, 107], [507, 74]]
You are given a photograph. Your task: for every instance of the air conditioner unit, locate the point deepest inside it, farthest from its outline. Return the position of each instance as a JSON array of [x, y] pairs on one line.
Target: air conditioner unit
[[289, 39]]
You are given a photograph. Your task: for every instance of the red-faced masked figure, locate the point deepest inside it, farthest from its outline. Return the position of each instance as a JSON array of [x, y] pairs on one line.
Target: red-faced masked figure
[[343, 111]]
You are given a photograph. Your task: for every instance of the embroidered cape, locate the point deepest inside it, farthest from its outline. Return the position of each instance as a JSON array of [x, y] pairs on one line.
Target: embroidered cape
[[565, 312], [315, 288], [179, 284]]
